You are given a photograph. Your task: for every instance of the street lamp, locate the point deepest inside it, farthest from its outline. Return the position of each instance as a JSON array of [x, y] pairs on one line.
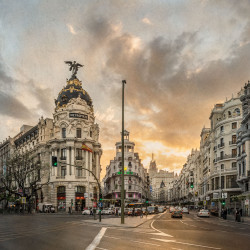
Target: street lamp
[[122, 177]]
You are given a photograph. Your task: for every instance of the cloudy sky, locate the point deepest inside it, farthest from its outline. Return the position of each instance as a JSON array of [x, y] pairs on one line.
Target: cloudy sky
[[179, 58]]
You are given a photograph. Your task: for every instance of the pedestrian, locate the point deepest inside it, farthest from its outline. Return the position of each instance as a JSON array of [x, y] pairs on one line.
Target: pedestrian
[[141, 213], [133, 211]]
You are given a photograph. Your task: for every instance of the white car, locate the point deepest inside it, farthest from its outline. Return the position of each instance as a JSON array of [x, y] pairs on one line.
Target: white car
[[106, 211], [171, 209], [87, 211], [185, 210], [203, 213]]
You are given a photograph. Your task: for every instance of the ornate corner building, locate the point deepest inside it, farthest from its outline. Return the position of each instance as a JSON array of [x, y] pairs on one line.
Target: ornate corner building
[[73, 137], [135, 175]]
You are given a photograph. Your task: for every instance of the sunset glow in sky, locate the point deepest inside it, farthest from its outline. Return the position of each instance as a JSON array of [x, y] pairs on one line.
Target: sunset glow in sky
[[178, 57]]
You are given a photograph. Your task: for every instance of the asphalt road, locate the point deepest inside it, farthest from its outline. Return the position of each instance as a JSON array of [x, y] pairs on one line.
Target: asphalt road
[[46, 231], [191, 232], [67, 232]]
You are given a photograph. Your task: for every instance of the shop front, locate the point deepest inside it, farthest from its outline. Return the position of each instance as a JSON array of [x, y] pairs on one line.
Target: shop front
[[61, 199]]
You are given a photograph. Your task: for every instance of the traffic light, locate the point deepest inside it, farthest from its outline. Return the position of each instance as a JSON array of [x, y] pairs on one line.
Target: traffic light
[[147, 200], [192, 185], [100, 197], [223, 202], [54, 161]]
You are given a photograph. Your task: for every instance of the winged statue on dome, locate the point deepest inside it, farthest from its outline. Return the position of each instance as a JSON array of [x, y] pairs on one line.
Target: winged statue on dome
[[73, 66]]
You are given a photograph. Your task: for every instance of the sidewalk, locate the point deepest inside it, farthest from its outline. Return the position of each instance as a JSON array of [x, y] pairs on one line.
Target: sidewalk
[[244, 219], [130, 221]]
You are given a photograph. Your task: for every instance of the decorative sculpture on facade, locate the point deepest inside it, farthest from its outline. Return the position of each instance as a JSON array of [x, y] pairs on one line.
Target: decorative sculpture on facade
[[73, 66]]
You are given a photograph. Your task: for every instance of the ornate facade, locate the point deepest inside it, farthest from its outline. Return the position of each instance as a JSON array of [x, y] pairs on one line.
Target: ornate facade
[[73, 137]]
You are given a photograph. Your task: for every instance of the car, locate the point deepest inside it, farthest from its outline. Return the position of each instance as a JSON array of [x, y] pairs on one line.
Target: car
[[86, 211], [203, 213], [185, 210], [161, 209], [171, 209], [176, 214], [151, 210]]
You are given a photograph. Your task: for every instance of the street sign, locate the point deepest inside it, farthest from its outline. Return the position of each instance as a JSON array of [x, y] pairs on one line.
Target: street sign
[[215, 196], [100, 204], [204, 203], [85, 195], [208, 198], [23, 200], [246, 202], [224, 195]]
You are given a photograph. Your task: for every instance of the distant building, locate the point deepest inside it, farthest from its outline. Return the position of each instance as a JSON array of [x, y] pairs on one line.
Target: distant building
[[135, 175]]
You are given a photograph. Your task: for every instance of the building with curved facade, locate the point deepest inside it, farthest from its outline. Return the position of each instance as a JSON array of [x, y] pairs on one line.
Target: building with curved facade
[[73, 137]]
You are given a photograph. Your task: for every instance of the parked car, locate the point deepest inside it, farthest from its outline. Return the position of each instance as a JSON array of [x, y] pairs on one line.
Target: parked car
[[171, 209], [185, 210], [161, 209], [203, 213], [176, 214], [106, 211], [87, 211]]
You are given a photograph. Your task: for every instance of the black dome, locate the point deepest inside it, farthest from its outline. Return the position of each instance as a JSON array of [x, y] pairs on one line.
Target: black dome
[[72, 90]]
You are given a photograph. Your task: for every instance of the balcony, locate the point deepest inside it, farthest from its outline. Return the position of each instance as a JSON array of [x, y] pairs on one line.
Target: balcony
[[225, 157], [221, 145], [232, 143], [215, 148], [60, 177]]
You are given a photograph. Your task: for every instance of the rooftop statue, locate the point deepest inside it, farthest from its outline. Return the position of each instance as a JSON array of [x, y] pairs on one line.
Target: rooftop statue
[[73, 66]]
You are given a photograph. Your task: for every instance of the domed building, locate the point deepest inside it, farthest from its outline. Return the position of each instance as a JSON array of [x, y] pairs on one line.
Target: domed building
[[73, 137]]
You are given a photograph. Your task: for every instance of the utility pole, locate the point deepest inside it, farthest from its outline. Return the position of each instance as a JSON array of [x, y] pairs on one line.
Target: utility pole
[[122, 185]]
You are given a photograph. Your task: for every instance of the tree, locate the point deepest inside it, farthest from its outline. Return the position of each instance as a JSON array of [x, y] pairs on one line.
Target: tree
[[24, 176]]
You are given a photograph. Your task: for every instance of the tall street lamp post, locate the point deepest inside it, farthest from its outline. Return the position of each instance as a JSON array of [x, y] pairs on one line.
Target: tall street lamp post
[[122, 184]]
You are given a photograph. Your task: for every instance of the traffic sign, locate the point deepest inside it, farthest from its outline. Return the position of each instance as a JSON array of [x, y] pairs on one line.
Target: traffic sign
[[100, 204]]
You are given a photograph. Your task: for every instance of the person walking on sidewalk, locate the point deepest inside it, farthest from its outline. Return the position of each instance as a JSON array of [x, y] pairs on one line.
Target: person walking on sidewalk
[[141, 213]]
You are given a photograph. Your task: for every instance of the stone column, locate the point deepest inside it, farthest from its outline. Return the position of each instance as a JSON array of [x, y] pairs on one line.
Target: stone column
[[72, 161], [67, 161]]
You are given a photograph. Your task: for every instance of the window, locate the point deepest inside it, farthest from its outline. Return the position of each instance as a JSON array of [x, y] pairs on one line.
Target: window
[[222, 129], [229, 114], [79, 171], [129, 187], [222, 182], [221, 155], [243, 148], [63, 132], [239, 169], [63, 154], [80, 189], [237, 111], [231, 181], [234, 125], [78, 154], [90, 133], [61, 189], [63, 171], [234, 166], [222, 166], [243, 168], [130, 164], [130, 195], [234, 152], [234, 138], [78, 133]]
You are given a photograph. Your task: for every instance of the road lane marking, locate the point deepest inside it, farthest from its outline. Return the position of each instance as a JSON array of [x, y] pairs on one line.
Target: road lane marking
[[160, 234], [190, 244], [97, 239], [102, 248], [142, 242], [159, 230]]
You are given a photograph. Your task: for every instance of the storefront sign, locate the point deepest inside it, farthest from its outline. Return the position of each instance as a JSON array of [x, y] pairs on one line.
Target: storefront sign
[[208, 198], [85, 195], [77, 115], [246, 202]]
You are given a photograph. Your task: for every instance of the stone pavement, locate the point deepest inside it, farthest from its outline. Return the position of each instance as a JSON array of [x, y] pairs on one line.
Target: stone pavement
[[130, 221], [244, 219]]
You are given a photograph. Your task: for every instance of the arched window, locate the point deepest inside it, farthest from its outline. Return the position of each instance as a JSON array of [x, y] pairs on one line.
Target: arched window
[[237, 111], [63, 132], [229, 114]]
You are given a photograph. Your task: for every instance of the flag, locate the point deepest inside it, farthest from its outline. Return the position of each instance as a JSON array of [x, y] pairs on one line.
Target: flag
[[86, 148]]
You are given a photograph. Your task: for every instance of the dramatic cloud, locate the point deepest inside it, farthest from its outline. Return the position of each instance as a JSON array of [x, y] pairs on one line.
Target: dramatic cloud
[[179, 58]]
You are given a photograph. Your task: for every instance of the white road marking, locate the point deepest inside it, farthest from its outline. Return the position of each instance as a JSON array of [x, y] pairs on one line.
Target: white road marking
[[159, 230], [160, 234], [178, 242], [142, 242], [97, 239], [102, 248]]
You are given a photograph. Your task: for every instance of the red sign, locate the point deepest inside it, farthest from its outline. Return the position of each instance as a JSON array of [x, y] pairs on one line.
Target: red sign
[[61, 198], [80, 198], [94, 204]]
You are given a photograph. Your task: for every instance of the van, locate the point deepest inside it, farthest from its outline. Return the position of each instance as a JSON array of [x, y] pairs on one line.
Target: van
[[46, 208]]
